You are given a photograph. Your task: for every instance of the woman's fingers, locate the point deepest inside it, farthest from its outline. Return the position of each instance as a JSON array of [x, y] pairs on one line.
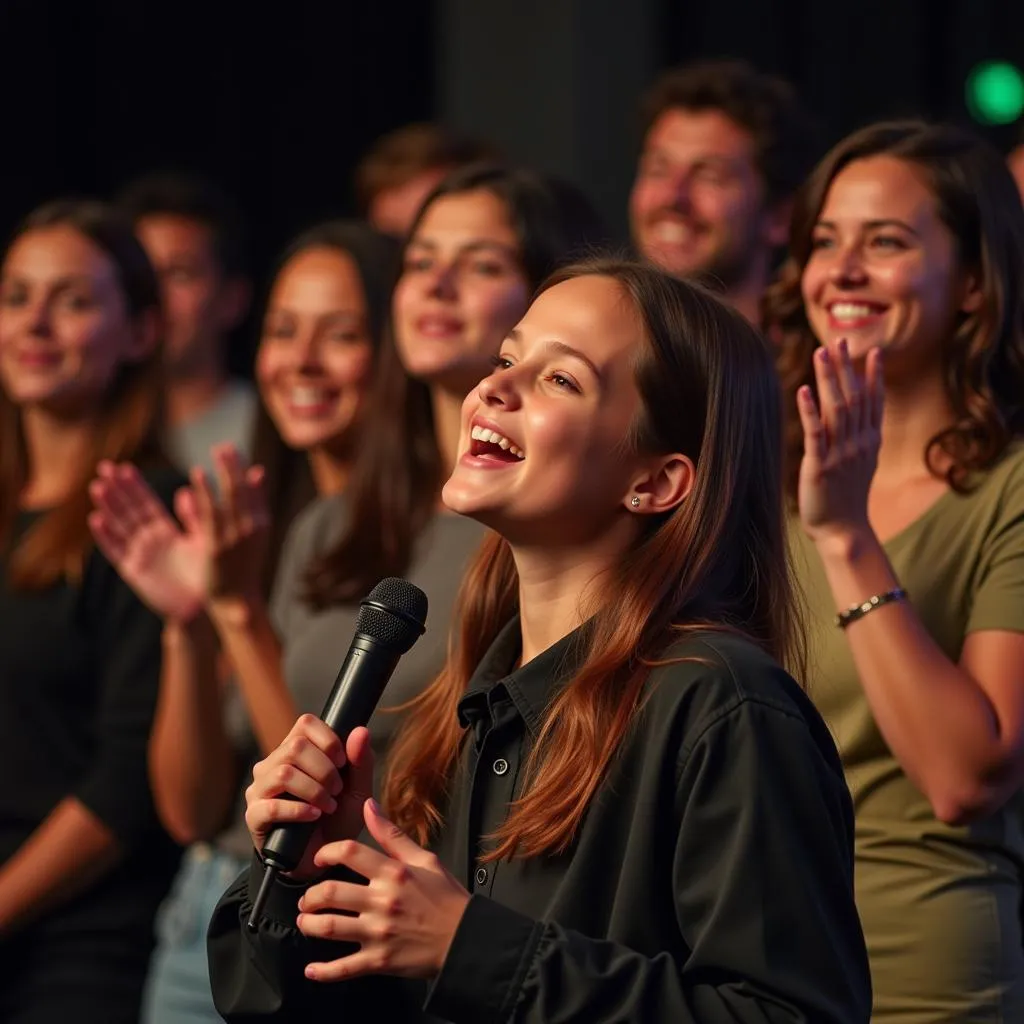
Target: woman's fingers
[[334, 895], [360, 963], [206, 506], [301, 753], [254, 498], [289, 780], [322, 736], [109, 495], [137, 494], [262, 815], [187, 511], [359, 754], [312, 750], [112, 541], [852, 388], [875, 387], [831, 402], [815, 437], [357, 856], [231, 483]]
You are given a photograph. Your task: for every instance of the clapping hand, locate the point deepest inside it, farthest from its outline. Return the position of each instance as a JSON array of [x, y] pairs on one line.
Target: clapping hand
[[842, 435], [167, 565], [213, 559], [236, 527]]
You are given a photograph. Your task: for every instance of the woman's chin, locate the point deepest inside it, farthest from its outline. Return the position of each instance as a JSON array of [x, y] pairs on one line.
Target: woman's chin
[[458, 498]]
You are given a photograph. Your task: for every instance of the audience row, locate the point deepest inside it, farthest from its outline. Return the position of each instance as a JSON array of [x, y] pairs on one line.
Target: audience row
[[236, 528]]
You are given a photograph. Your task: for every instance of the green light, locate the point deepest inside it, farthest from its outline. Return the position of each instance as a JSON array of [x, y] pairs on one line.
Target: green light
[[995, 93]]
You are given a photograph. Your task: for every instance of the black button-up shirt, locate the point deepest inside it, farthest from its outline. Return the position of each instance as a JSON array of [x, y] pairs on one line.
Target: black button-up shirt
[[711, 879]]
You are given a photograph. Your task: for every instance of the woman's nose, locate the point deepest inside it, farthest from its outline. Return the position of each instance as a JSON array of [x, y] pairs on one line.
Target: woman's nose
[[848, 266], [500, 389]]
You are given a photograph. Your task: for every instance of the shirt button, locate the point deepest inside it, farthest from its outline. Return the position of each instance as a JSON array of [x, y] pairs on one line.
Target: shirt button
[[500, 766], [481, 876]]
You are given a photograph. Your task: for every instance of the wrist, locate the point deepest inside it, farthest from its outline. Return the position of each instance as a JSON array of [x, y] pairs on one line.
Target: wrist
[[178, 631], [845, 544], [458, 912], [236, 613]]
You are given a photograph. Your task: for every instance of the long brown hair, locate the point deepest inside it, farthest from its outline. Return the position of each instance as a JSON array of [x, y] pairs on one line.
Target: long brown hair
[[398, 473], [288, 481], [718, 561], [978, 201], [128, 425]]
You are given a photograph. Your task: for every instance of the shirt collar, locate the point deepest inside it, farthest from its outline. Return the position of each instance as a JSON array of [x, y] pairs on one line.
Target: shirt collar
[[530, 686]]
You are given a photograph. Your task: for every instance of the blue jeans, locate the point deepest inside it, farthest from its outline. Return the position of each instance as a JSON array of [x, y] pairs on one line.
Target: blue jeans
[[178, 986]]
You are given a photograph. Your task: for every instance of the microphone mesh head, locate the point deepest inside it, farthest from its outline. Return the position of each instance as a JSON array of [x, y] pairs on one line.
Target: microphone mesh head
[[400, 624]]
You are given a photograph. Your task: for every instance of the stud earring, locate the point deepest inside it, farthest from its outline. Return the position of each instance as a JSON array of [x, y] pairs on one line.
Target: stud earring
[[634, 501]]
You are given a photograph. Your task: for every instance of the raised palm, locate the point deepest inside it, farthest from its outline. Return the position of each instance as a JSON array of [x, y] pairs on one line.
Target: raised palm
[[167, 565]]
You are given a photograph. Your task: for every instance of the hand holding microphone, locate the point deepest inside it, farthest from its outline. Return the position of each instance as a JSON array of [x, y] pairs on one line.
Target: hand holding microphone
[[300, 782], [297, 791]]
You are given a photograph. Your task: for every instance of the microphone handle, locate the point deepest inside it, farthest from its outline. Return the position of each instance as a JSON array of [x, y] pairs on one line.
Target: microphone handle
[[365, 672]]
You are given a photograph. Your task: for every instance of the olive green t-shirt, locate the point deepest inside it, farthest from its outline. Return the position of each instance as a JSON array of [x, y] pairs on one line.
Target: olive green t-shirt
[[940, 905]]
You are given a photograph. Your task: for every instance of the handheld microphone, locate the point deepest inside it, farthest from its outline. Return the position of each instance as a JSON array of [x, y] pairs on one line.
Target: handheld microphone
[[390, 621]]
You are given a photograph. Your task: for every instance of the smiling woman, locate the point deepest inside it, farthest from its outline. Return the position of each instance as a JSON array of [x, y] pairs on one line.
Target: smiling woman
[[83, 863], [584, 806], [321, 330], [902, 310]]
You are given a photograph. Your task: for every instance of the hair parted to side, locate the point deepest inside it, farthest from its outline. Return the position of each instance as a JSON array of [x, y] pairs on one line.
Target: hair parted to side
[[403, 154], [398, 473], [976, 198], [718, 561], [288, 481], [129, 423], [766, 107]]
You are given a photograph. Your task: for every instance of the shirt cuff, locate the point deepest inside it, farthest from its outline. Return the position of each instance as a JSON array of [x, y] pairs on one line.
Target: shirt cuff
[[490, 954], [282, 906]]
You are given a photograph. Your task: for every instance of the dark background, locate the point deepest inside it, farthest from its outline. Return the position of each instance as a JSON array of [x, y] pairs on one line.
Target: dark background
[[278, 100]]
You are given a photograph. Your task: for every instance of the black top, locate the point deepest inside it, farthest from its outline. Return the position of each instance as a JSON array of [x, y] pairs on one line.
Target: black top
[[711, 879], [79, 675]]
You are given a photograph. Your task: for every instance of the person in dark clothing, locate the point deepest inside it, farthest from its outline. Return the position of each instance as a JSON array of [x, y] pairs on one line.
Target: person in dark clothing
[[613, 804], [83, 862]]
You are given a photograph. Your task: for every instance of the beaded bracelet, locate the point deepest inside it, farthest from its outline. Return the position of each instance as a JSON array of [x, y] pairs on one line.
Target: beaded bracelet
[[858, 611]]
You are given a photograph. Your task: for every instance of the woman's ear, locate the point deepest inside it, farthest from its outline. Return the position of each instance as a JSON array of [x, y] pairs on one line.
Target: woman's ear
[[664, 485]]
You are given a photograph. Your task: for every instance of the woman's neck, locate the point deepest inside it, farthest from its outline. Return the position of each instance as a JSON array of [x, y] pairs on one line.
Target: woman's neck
[[57, 451], [556, 590], [914, 413], [447, 407], [330, 472]]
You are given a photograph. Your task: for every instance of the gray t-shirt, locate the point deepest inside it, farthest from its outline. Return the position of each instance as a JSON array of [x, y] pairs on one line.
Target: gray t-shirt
[[315, 643], [230, 420]]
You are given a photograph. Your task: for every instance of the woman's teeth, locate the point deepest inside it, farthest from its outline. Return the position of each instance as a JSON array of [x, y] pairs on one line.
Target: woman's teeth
[[493, 437]]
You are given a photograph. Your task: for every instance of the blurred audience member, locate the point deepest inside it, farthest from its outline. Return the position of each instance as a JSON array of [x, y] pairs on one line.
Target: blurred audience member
[[724, 149], [321, 331], [902, 310], [83, 862], [193, 234], [403, 167]]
